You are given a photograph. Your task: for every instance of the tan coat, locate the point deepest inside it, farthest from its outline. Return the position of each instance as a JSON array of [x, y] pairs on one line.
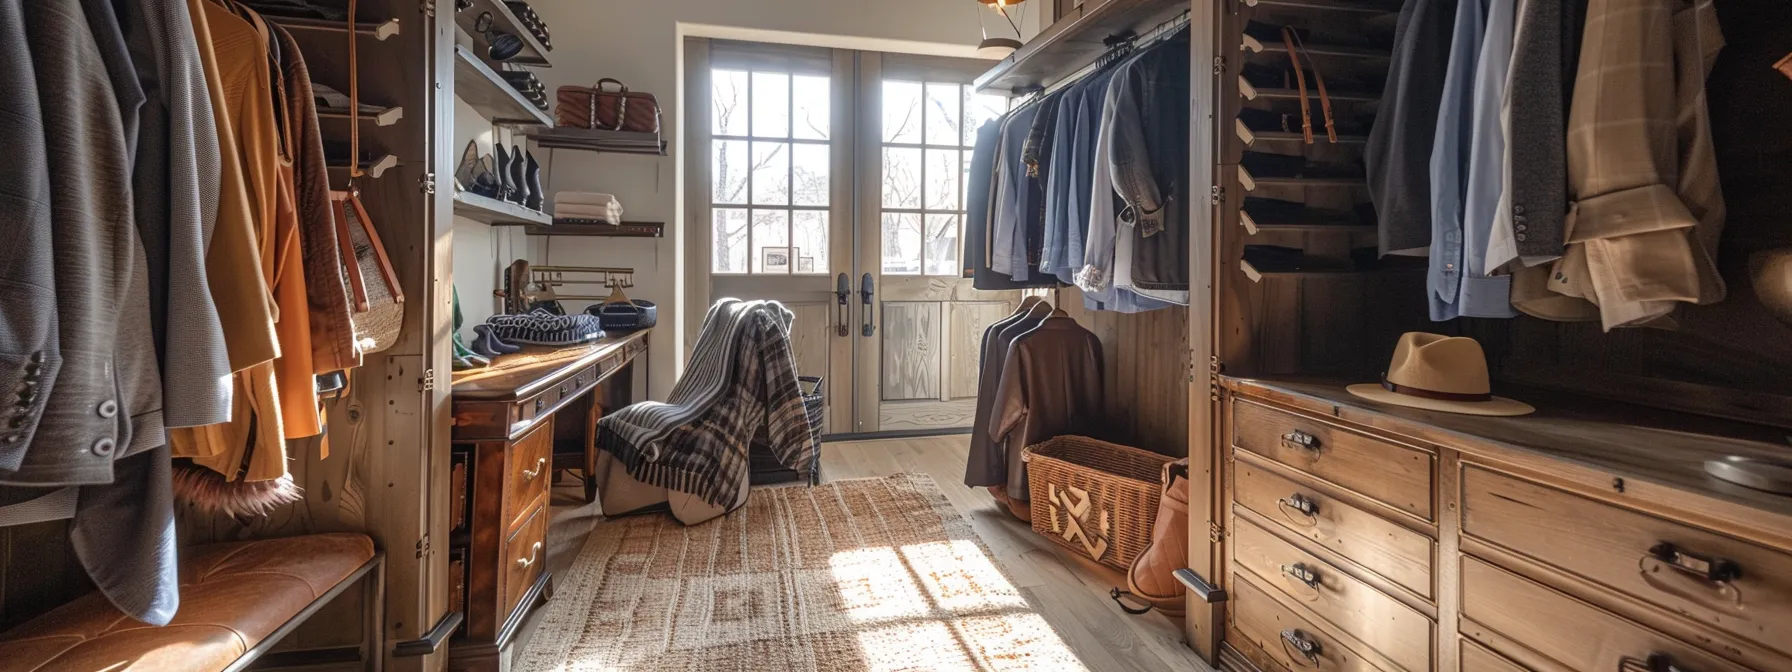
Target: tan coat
[[1643, 231], [1050, 386]]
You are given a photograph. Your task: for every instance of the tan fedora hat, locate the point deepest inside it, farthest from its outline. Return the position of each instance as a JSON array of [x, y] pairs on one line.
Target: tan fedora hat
[[1440, 373]]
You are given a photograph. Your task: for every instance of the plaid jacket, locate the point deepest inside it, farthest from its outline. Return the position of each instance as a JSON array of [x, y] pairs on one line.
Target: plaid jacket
[[705, 457]]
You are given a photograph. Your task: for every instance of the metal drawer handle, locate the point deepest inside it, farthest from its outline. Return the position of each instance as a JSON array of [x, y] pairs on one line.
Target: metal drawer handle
[[1302, 504], [1299, 440], [1307, 576], [1709, 574], [1299, 646], [534, 553], [530, 474], [1656, 662]]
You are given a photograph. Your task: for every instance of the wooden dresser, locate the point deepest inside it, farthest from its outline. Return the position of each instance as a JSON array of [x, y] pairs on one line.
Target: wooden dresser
[[504, 418], [1360, 536]]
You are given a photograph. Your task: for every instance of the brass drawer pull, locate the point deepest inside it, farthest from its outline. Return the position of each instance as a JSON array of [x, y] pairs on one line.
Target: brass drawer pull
[[534, 554], [1298, 645], [1708, 574], [1303, 504], [1305, 575], [530, 474], [1302, 441]]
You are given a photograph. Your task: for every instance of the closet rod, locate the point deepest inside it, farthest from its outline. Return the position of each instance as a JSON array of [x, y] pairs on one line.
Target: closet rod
[[1118, 45], [380, 31]]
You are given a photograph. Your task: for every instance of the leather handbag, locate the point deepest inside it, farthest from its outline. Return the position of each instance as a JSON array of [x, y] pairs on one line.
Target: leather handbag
[[377, 300], [608, 106], [1151, 577]]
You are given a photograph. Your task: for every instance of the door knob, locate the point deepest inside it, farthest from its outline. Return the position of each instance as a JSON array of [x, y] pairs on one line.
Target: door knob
[[868, 289], [842, 290]]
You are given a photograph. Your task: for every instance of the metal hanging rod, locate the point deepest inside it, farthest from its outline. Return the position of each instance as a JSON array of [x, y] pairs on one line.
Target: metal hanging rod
[[1119, 45]]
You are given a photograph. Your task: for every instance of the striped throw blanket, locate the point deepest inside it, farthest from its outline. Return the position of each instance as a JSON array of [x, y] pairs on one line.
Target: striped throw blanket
[[741, 377]]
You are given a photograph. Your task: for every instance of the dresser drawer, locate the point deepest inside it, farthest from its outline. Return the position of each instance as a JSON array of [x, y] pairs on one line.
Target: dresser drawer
[[524, 558], [527, 469], [1524, 619], [1397, 553], [1477, 658], [1396, 475], [1381, 622], [1633, 553], [1289, 638]]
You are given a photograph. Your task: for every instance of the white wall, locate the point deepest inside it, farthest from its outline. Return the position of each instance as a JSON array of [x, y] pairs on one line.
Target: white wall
[[638, 42], [481, 252]]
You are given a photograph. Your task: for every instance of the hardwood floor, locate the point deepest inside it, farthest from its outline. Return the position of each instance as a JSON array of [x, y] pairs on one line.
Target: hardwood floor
[[1072, 592]]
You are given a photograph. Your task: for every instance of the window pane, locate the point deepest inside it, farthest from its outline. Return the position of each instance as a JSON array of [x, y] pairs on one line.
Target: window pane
[[902, 112], [771, 173], [729, 169], [942, 179], [810, 233], [730, 239], [729, 89], [902, 244], [902, 177], [811, 173], [812, 107], [979, 109], [771, 105], [942, 245], [771, 241], [964, 180], [942, 114]]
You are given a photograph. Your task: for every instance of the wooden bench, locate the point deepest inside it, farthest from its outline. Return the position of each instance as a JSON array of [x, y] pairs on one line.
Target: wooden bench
[[237, 601]]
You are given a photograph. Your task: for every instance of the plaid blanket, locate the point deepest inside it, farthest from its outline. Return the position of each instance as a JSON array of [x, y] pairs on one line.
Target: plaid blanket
[[742, 377]]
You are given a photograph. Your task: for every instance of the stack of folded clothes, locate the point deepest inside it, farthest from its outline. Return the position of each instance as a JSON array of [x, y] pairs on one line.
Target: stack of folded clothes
[[585, 205]]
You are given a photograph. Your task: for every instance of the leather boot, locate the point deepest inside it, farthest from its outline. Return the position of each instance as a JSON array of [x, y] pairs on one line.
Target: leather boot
[[1150, 578], [532, 178], [509, 186], [516, 176]]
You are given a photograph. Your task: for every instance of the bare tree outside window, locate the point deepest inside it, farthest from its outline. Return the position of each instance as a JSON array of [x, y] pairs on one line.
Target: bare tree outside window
[[928, 132], [771, 168]]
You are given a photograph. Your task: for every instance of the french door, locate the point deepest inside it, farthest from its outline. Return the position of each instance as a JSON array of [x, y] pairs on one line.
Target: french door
[[834, 182]]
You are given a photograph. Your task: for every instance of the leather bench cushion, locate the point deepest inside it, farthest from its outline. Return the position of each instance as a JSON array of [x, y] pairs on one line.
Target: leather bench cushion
[[232, 596]]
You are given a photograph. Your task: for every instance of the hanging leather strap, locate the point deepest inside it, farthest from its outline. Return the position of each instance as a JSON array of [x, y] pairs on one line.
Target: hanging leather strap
[[1300, 79], [1292, 40], [345, 243]]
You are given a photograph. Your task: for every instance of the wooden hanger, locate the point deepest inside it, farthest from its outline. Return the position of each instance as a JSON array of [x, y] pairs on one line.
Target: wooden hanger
[[1058, 303], [1026, 303]]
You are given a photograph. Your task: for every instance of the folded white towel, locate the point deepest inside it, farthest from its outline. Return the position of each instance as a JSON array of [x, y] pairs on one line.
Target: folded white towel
[[585, 198], [587, 212]]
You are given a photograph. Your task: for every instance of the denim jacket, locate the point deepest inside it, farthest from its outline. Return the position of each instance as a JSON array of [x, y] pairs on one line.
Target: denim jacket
[[1149, 161]]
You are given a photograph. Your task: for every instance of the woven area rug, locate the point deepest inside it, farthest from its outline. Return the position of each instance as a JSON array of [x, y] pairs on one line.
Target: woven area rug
[[871, 574]]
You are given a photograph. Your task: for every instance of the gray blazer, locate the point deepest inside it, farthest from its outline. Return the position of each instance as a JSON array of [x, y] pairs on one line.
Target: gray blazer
[[30, 356]]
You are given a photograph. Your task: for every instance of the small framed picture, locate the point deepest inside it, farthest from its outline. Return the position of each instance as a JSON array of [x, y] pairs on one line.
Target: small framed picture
[[776, 260], [805, 264]]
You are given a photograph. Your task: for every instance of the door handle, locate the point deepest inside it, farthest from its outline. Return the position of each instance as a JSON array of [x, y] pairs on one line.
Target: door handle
[[868, 289], [842, 290]]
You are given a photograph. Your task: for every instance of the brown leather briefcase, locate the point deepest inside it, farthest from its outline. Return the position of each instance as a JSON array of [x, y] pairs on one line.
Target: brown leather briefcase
[[607, 105]]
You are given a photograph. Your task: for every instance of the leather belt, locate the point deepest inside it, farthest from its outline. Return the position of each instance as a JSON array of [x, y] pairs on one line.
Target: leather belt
[[1296, 47]]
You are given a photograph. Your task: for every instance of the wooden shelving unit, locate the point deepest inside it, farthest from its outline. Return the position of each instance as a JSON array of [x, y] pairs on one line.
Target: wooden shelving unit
[[534, 53], [594, 140], [1248, 92], [495, 212], [481, 87], [385, 116], [381, 30], [589, 228], [375, 167], [1251, 182], [1363, 6], [1073, 43]]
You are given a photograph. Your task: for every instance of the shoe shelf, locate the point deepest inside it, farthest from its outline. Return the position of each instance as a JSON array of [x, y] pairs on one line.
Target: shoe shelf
[[385, 116], [1307, 223], [1252, 137], [1322, 268], [379, 30], [534, 53], [597, 140], [595, 228], [481, 87], [1360, 6], [495, 212], [1251, 183], [374, 167], [1256, 46], [1249, 92]]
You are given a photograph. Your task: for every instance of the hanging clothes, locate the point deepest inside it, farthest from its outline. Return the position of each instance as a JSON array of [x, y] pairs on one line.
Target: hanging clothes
[[1468, 165], [1148, 157], [331, 332], [1398, 153], [1545, 56], [1015, 195], [988, 462], [1103, 263], [1050, 386]]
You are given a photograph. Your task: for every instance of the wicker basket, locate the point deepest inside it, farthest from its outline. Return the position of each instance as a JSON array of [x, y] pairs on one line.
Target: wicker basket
[[1096, 498]]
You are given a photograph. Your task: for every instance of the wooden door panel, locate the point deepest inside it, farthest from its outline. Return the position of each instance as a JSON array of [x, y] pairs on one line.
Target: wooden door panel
[[911, 350]]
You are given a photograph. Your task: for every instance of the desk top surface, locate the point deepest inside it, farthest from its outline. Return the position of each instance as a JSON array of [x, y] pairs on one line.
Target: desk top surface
[[519, 375]]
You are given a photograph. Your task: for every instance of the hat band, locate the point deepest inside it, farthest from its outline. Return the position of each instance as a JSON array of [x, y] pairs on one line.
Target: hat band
[[1431, 394]]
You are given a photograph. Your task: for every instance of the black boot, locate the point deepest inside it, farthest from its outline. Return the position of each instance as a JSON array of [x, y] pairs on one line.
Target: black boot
[[532, 177], [510, 186], [516, 176]]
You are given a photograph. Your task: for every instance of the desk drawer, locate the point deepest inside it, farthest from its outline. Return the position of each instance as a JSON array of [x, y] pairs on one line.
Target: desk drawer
[[1477, 658], [1396, 475], [1524, 619], [1383, 547], [1381, 622], [524, 558], [1282, 634], [1628, 551], [527, 470]]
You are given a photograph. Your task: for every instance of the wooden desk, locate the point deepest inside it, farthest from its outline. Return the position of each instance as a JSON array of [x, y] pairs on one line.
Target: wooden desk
[[502, 461]]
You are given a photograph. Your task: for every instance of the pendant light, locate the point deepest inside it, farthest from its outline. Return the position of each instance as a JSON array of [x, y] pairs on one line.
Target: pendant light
[[998, 47]]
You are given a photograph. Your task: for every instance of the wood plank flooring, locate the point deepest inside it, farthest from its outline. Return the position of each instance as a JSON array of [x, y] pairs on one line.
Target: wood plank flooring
[[1072, 592]]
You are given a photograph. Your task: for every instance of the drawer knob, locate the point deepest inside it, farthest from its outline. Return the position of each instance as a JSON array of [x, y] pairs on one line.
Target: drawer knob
[[1706, 574], [1300, 646], [534, 554], [1299, 440], [1301, 572], [1302, 504], [530, 474], [1656, 662]]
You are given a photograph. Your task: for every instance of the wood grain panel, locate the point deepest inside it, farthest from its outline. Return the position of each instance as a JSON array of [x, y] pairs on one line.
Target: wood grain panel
[[1379, 621], [1541, 627], [1612, 545], [1477, 658], [1396, 475], [1397, 553], [895, 416], [1262, 621], [964, 342], [911, 350], [811, 337]]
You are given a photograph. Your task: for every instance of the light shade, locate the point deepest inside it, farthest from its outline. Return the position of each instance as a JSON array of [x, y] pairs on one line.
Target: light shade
[[997, 47]]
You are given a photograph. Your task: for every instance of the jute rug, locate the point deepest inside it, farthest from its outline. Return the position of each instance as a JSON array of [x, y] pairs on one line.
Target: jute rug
[[872, 574]]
